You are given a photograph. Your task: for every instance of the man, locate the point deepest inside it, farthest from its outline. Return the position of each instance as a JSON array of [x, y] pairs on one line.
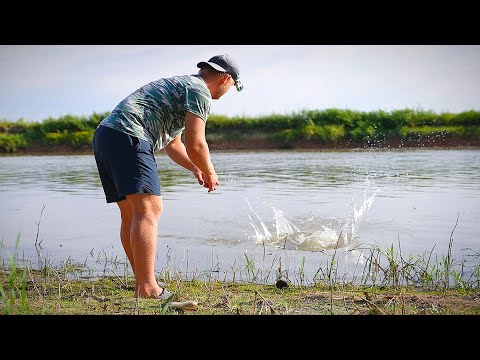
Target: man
[[150, 119]]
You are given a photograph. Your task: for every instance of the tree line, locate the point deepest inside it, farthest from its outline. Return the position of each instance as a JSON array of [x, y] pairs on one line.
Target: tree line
[[305, 128]]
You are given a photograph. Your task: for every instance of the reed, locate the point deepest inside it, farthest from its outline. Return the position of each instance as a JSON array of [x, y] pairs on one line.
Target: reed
[[14, 293]]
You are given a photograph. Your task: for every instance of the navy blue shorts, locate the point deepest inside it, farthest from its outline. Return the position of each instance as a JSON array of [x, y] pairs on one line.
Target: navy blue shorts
[[126, 164]]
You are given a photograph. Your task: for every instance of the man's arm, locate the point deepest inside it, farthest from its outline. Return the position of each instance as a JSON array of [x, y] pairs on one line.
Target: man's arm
[[197, 149], [177, 152]]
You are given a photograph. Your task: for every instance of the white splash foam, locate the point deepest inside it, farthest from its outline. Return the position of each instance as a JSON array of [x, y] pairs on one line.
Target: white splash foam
[[314, 234]]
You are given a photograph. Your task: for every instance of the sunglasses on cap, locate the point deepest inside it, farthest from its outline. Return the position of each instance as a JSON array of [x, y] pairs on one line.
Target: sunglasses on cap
[[238, 85]]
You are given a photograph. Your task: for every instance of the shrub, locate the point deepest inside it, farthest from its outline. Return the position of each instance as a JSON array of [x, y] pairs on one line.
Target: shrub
[[10, 143]]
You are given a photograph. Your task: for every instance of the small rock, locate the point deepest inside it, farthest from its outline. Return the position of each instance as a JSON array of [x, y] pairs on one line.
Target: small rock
[[281, 283]]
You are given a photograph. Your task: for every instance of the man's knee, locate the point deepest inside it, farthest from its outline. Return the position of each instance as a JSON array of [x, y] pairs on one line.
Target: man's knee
[[146, 205], [155, 207]]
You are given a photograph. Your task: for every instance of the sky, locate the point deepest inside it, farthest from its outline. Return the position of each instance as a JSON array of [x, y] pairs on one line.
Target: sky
[[41, 81]]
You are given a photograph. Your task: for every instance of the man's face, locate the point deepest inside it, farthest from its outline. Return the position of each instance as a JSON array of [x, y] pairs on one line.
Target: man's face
[[225, 82]]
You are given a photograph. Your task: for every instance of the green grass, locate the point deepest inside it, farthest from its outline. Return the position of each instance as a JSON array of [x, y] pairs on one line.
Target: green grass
[[388, 283]]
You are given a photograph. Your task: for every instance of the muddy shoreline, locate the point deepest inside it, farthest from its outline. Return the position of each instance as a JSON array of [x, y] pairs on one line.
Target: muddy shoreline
[[264, 144]]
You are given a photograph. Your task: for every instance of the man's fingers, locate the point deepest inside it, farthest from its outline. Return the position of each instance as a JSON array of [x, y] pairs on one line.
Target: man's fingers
[[211, 183], [214, 186]]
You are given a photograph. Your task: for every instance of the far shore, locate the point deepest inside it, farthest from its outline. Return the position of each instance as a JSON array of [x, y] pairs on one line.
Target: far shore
[[260, 145]]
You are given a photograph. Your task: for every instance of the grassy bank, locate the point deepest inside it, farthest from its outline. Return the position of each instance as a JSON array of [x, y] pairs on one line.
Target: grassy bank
[[329, 128], [41, 293], [388, 284]]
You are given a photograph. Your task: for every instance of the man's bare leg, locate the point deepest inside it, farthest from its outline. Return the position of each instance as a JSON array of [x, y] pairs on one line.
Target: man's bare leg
[[145, 210], [125, 228]]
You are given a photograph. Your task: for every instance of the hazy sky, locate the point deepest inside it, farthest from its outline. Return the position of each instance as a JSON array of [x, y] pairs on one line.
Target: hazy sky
[[40, 81]]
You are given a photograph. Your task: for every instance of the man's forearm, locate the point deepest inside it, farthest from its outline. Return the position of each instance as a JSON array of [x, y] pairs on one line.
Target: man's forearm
[[178, 154], [200, 156]]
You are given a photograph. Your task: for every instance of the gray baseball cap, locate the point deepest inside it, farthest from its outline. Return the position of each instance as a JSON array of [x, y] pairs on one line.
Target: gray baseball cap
[[224, 63]]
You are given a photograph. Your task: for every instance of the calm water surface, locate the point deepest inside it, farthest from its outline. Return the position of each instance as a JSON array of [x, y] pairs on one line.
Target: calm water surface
[[287, 209]]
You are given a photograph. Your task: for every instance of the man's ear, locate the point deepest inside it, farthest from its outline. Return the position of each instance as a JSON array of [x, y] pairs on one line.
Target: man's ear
[[226, 77]]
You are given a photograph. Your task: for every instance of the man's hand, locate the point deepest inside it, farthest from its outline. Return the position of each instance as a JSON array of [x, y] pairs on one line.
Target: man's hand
[[211, 182], [208, 181]]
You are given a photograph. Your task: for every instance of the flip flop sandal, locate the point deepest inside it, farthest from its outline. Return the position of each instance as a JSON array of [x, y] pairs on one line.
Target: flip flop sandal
[[165, 295]]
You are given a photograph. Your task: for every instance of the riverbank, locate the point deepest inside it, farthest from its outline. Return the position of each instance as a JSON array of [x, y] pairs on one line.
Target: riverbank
[[265, 144], [307, 129], [50, 293]]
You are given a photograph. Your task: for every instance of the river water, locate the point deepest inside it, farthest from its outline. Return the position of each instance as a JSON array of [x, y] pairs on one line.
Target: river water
[[275, 212]]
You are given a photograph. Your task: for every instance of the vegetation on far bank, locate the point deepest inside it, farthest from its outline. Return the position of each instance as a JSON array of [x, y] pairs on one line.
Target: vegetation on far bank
[[306, 128]]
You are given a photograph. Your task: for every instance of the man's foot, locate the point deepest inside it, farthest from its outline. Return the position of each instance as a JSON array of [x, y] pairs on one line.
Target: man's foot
[[149, 291]]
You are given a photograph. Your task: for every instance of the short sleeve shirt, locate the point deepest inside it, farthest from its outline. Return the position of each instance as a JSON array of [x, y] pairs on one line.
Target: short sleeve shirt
[[156, 111]]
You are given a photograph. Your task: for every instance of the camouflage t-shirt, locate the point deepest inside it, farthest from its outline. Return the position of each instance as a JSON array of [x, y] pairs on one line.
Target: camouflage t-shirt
[[156, 111]]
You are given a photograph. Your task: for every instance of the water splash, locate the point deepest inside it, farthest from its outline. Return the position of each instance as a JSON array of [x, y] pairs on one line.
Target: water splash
[[310, 233], [260, 235], [358, 213]]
